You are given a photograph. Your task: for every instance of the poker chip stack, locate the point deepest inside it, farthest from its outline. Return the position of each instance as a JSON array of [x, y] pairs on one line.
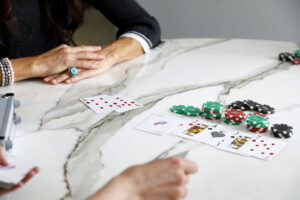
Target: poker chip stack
[[238, 105], [178, 109], [191, 111], [282, 131], [257, 122], [234, 117], [289, 57], [212, 110]]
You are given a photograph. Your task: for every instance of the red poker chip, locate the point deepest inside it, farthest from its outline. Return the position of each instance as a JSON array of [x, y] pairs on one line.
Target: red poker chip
[[296, 61], [257, 130], [235, 115], [212, 118]]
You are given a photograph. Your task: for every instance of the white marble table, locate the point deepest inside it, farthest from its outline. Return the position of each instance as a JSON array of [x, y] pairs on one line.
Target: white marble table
[[79, 151]]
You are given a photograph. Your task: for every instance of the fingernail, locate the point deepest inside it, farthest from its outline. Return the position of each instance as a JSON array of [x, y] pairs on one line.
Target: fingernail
[[68, 81], [46, 79], [99, 47]]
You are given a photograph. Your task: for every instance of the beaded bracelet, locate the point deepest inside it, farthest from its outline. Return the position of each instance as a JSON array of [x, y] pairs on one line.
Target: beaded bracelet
[[7, 71]]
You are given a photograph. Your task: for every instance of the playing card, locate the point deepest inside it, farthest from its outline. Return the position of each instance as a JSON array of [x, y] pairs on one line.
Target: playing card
[[192, 130], [233, 141], [264, 147], [15, 172], [99, 104], [159, 124], [123, 104]]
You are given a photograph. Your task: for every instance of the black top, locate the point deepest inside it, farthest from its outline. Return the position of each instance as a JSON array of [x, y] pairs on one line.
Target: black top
[[126, 15]]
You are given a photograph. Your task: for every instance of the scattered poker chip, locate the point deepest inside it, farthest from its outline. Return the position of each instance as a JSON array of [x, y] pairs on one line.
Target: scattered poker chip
[[265, 109], [178, 109], [257, 120], [232, 122], [297, 53], [234, 115], [282, 131], [289, 57], [238, 105], [212, 107], [191, 111], [251, 105]]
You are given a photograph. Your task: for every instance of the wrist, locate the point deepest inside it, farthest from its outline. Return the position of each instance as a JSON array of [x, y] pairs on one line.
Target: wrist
[[25, 68]]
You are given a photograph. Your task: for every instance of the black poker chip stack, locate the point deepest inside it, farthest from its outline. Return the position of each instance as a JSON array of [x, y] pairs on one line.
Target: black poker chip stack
[[282, 131], [286, 57], [250, 105]]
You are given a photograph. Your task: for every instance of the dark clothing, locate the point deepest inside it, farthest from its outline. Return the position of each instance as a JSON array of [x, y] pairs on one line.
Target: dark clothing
[[38, 36]]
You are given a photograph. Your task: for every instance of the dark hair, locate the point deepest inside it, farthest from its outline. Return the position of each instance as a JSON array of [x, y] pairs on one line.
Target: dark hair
[[65, 17]]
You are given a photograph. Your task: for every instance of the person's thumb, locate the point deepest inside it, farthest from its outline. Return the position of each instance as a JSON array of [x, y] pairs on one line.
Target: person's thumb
[[3, 160]]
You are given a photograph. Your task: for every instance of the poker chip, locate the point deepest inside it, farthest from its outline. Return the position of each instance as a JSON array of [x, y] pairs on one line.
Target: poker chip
[[257, 129], [282, 131], [212, 107], [191, 111], [232, 122], [296, 61], [297, 53], [212, 118], [237, 105], [265, 109], [289, 57], [234, 115], [178, 109], [257, 120], [211, 115], [251, 105]]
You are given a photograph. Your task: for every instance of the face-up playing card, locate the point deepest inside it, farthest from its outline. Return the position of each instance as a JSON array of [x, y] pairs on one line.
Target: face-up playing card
[[105, 103], [99, 104], [264, 147], [123, 104], [15, 172], [195, 130], [159, 124], [234, 141]]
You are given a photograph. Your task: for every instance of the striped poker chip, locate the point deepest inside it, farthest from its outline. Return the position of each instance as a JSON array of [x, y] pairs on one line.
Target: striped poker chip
[[257, 120], [296, 61], [212, 107], [212, 118], [257, 129], [282, 131], [177, 109], [191, 111], [234, 115], [232, 122]]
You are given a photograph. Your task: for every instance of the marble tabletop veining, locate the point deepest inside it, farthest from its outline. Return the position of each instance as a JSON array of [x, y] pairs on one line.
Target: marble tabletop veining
[[78, 151]]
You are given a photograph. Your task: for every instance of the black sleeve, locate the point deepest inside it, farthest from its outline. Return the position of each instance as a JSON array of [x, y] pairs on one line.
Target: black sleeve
[[129, 16]]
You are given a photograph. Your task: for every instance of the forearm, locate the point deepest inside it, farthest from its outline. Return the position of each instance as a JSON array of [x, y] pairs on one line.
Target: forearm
[[122, 50], [24, 68]]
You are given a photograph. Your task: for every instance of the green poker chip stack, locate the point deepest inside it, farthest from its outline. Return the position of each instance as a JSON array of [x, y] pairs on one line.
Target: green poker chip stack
[[191, 111], [212, 110], [178, 109], [257, 120], [297, 53]]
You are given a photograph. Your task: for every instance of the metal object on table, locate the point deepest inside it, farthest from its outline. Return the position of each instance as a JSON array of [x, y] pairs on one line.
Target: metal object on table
[[8, 119]]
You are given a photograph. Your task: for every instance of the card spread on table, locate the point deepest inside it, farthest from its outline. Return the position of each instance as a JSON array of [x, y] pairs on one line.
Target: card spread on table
[[15, 172], [158, 124], [106, 103], [261, 146]]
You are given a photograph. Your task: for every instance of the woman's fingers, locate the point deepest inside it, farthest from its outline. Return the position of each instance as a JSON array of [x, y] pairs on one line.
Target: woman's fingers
[[83, 75], [84, 55], [85, 48], [84, 64], [60, 78], [30, 174], [49, 78]]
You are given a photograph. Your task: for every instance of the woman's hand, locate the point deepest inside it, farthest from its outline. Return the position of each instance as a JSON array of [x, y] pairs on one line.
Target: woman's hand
[[160, 179], [65, 77], [28, 176], [57, 61], [119, 51], [4, 162]]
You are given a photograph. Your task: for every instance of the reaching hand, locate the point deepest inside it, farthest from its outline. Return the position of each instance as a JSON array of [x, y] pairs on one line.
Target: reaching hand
[[163, 179]]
